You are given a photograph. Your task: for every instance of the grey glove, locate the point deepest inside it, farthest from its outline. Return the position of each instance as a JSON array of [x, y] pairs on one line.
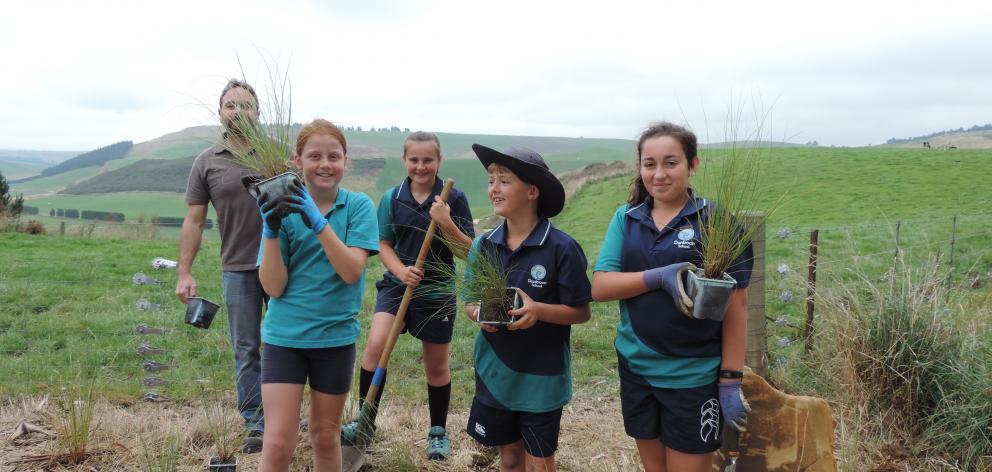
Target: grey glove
[[671, 279]]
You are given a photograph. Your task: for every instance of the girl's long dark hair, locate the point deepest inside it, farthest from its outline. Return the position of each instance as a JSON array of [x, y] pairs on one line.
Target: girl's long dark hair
[[638, 192]]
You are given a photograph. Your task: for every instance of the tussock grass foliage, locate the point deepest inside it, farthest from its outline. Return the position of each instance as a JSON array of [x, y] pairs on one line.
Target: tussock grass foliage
[[732, 178], [270, 138], [74, 419], [898, 351], [161, 454], [226, 429]]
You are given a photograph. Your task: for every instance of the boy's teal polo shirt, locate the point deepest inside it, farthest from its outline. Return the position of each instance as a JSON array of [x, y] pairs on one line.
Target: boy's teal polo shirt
[[318, 309]]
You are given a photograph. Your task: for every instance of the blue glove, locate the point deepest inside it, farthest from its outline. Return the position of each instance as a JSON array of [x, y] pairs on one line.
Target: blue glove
[[733, 405], [670, 278], [303, 204], [273, 210]]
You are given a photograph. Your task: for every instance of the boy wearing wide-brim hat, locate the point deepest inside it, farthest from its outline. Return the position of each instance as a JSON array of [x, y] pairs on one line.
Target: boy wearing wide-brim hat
[[523, 374]]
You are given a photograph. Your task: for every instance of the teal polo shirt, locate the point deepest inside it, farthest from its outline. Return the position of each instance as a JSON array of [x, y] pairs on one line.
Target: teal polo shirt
[[531, 370], [657, 342], [318, 309]]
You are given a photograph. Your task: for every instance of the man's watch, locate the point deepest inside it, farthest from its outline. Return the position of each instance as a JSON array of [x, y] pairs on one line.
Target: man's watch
[[730, 374]]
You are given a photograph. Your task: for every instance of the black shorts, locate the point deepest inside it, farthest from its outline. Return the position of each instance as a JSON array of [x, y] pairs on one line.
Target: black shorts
[[328, 369], [428, 318], [685, 419], [497, 427]]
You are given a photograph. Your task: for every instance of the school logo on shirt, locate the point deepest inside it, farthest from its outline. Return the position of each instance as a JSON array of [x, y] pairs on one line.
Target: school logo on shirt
[[684, 238], [537, 275]]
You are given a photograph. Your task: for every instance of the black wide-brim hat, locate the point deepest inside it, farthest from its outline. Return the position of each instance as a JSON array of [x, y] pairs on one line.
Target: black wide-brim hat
[[529, 166]]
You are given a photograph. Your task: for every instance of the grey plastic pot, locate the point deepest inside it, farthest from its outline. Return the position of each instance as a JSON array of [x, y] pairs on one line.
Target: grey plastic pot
[[215, 465], [710, 297], [274, 186], [200, 312]]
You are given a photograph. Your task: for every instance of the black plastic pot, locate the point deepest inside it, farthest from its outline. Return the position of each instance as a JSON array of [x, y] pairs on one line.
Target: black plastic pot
[[274, 186], [200, 312], [710, 297], [216, 465], [496, 312]]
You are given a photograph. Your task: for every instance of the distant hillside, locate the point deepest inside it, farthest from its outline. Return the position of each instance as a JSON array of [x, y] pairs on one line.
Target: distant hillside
[[171, 175], [150, 175], [14, 168], [95, 157], [959, 140], [363, 144], [985, 127], [47, 158], [379, 144]]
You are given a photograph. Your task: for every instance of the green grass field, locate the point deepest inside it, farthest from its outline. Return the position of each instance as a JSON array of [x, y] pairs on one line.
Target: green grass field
[[132, 204]]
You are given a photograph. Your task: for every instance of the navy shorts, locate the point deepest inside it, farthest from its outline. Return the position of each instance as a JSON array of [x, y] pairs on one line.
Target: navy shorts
[[497, 427], [428, 318], [686, 419], [328, 369]]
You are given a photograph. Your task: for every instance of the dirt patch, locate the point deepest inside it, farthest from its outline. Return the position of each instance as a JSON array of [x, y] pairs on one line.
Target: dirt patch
[[894, 458], [592, 438]]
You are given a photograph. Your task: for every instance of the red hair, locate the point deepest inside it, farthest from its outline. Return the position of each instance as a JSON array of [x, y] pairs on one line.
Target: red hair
[[319, 126]]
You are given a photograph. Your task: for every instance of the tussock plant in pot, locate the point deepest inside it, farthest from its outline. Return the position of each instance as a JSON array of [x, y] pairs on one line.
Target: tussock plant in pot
[[729, 222], [268, 132], [486, 286], [227, 434]]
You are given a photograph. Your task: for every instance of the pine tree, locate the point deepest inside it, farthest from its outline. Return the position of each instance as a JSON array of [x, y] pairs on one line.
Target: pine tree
[[9, 205]]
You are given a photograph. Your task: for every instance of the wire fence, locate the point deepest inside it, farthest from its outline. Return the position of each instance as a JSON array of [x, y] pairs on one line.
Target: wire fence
[[959, 246]]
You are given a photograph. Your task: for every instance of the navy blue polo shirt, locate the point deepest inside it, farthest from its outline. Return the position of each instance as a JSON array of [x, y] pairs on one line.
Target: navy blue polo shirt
[[403, 222], [657, 341], [530, 370]]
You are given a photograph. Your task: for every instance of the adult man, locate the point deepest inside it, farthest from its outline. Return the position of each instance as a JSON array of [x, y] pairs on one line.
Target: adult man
[[216, 178]]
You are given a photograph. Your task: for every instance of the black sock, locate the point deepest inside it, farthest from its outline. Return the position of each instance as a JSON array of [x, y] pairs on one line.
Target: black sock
[[365, 382], [438, 399]]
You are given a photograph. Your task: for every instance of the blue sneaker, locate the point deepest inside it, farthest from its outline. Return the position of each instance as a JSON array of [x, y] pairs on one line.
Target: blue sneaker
[[438, 444], [353, 435]]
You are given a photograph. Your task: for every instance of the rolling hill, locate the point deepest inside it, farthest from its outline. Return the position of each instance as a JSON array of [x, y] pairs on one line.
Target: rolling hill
[[981, 139], [14, 168]]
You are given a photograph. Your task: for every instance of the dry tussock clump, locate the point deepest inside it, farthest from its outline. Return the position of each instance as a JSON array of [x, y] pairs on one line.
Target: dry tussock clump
[[32, 227], [907, 368]]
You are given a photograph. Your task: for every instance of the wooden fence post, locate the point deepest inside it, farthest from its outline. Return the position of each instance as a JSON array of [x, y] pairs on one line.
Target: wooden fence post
[[756, 356], [898, 230], [62, 228], [950, 267], [814, 242]]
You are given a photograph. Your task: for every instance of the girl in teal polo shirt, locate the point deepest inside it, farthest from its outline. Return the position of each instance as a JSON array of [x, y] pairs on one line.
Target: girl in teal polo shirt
[[312, 265], [669, 363]]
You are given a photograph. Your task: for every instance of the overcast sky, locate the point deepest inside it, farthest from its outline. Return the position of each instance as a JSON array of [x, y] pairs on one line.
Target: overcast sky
[[78, 76]]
